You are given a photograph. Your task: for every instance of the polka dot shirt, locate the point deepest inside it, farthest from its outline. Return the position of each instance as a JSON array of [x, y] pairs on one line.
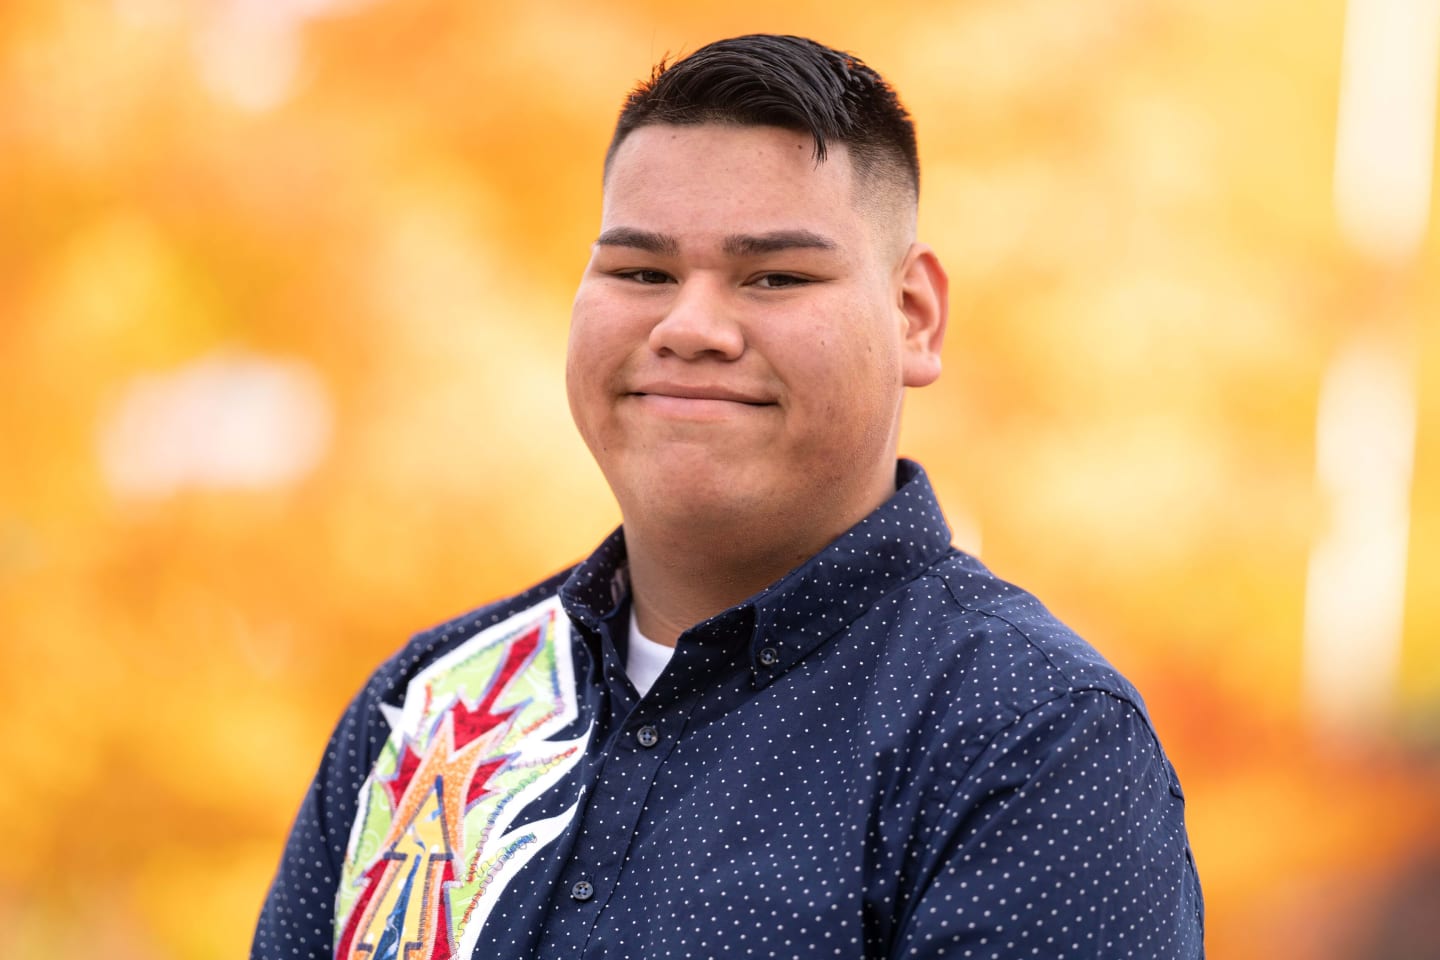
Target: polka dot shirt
[[888, 753]]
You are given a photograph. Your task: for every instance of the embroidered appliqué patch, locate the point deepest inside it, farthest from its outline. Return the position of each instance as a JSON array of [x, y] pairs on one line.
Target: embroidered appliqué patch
[[431, 848]]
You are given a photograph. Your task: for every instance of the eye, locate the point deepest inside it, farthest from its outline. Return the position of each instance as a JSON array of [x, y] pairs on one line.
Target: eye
[[647, 277], [778, 281]]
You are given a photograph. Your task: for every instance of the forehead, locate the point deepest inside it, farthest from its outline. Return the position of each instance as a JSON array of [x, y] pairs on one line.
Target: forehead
[[720, 171]]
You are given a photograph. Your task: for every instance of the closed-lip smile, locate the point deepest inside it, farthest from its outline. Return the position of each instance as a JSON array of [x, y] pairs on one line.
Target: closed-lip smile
[[690, 391]]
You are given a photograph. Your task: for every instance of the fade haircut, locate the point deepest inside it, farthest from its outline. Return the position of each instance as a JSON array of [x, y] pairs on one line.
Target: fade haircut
[[788, 82]]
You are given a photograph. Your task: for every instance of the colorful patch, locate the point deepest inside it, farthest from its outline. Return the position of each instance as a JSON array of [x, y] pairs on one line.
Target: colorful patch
[[431, 848]]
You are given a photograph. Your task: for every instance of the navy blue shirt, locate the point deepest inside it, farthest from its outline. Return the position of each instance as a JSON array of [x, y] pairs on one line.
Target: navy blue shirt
[[888, 753]]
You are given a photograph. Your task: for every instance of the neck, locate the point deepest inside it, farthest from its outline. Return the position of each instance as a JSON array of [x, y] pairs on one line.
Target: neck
[[689, 562], [676, 583]]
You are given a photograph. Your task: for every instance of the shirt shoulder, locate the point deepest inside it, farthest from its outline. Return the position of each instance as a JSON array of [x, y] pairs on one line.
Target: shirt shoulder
[[972, 662], [997, 643]]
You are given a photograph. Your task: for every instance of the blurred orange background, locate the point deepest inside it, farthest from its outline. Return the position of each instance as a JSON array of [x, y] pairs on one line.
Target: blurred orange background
[[284, 287]]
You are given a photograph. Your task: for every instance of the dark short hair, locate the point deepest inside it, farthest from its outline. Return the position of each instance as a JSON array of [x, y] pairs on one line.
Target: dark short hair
[[781, 81]]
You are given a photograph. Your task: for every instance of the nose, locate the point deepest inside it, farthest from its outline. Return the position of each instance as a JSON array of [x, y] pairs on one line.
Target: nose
[[700, 322]]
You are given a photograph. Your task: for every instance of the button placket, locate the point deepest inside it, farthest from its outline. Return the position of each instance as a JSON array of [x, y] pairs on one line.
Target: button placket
[[621, 785]]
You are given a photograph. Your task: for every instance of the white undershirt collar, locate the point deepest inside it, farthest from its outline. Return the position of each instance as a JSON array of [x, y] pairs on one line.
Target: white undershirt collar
[[646, 659]]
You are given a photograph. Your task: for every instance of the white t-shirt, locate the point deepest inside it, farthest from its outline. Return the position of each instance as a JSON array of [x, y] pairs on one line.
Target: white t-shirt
[[647, 658]]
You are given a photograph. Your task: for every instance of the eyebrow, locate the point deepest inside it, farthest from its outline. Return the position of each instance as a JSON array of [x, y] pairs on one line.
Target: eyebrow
[[656, 243], [742, 245], [736, 245]]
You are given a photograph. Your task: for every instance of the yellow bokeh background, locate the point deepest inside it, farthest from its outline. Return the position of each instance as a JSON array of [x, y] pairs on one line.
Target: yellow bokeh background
[[367, 218]]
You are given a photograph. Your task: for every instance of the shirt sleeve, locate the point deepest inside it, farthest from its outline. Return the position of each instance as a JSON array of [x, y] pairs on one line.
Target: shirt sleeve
[[297, 919], [1066, 839]]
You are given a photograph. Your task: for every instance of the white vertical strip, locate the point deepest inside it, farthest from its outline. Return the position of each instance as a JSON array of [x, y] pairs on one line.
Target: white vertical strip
[[1386, 130], [1355, 593], [1365, 426]]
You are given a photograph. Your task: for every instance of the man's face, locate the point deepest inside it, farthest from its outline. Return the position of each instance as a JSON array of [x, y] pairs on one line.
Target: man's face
[[738, 343]]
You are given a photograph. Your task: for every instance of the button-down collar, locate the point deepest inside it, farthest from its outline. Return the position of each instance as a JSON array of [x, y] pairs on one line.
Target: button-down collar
[[809, 605]]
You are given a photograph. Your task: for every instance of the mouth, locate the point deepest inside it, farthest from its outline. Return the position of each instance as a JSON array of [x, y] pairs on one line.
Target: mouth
[[701, 394], [697, 402]]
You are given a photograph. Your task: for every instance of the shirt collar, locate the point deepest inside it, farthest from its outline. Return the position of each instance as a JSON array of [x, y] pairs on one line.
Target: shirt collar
[[809, 605]]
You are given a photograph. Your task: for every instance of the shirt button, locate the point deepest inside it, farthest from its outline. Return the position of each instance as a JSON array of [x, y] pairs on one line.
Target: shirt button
[[582, 890], [648, 736], [769, 657]]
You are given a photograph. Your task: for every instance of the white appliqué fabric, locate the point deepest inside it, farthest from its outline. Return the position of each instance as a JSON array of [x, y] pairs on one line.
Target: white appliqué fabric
[[432, 847]]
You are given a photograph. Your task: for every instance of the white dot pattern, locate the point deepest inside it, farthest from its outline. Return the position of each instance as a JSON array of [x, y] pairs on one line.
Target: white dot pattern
[[888, 753]]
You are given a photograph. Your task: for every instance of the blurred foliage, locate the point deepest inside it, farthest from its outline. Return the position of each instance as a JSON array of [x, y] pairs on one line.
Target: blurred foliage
[[1134, 203]]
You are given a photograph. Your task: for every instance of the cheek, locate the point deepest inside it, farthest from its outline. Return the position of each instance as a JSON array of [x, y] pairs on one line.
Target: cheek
[[593, 329], [856, 394], [600, 345], [581, 363], [846, 366], [604, 329]]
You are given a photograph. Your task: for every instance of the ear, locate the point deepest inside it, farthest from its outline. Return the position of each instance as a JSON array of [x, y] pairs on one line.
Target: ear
[[924, 302]]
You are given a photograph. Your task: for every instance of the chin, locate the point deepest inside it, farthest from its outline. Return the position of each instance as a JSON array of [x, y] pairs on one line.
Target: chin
[[708, 495]]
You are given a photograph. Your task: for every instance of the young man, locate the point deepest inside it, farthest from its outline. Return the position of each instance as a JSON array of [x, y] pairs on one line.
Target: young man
[[776, 714]]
